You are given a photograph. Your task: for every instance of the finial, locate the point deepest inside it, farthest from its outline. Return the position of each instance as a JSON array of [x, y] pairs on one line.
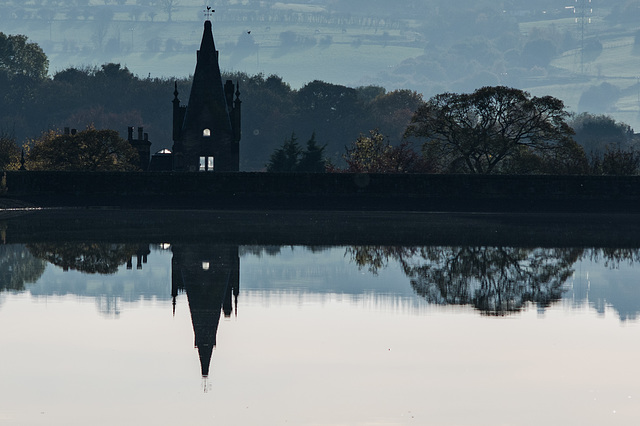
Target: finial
[[208, 12], [237, 88], [175, 92]]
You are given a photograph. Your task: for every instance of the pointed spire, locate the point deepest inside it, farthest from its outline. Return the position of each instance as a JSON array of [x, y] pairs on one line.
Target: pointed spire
[[207, 44], [175, 92]]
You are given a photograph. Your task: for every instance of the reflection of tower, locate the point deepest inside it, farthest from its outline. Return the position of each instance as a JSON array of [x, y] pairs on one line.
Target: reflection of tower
[[209, 274]]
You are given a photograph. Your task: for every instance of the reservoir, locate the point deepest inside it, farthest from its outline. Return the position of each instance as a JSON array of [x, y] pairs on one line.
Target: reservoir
[[106, 322]]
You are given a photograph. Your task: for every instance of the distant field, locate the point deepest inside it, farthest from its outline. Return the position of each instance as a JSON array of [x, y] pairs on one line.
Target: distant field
[[349, 59], [352, 55], [616, 65]]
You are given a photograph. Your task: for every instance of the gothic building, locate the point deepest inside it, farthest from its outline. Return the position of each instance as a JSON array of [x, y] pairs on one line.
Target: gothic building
[[206, 131]]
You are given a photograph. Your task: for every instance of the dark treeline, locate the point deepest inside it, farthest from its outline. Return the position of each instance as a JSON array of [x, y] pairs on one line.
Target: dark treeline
[[111, 97], [495, 129]]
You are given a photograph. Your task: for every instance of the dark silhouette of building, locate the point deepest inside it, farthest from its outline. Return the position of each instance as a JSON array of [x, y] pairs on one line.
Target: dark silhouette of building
[[142, 145], [210, 276], [161, 161], [206, 131]]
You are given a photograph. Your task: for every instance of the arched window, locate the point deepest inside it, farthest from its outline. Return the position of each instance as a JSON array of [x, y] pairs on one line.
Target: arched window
[[206, 133]]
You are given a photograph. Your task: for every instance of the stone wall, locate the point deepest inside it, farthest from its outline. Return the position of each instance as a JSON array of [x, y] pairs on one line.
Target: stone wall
[[341, 191]]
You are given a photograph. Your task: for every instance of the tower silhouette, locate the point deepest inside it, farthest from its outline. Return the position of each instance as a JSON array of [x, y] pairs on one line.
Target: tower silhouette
[[206, 131], [209, 275]]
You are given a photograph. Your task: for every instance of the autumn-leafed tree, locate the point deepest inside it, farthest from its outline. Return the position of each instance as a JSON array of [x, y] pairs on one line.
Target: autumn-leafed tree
[[374, 154], [9, 152], [616, 162], [90, 150]]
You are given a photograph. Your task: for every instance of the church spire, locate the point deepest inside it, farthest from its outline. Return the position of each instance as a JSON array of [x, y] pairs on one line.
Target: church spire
[[206, 137], [207, 44]]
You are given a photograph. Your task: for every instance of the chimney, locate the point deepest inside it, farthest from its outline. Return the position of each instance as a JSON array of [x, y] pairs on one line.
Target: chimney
[[130, 131], [146, 136], [140, 130], [73, 131], [66, 130]]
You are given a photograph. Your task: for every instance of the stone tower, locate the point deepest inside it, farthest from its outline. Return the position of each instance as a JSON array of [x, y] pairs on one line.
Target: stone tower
[[206, 131]]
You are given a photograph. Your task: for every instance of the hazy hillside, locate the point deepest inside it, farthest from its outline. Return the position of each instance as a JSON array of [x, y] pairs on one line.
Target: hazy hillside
[[583, 52]]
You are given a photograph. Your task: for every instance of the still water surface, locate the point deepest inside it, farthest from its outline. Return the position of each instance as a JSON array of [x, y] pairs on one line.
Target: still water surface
[[203, 334]]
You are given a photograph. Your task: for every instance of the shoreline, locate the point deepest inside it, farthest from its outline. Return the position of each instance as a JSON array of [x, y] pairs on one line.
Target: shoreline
[[321, 228]]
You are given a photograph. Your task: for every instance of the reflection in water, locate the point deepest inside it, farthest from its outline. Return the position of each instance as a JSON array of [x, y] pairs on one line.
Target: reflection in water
[[494, 280], [209, 275], [614, 286], [366, 317], [91, 258], [497, 280], [18, 267]]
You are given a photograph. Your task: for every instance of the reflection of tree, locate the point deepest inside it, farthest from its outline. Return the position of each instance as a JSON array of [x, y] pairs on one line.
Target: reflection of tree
[[272, 251], [495, 280], [612, 258], [92, 258], [260, 250], [17, 267]]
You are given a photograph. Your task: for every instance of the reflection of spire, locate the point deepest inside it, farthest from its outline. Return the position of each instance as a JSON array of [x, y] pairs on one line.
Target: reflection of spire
[[236, 291], [209, 275]]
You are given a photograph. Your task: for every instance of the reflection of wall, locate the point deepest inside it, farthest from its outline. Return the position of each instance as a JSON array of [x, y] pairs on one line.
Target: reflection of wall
[[209, 275]]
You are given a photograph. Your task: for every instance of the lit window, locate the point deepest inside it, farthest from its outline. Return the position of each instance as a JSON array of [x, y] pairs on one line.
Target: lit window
[[205, 266], [203, 163], [206, 133], [210, 164]]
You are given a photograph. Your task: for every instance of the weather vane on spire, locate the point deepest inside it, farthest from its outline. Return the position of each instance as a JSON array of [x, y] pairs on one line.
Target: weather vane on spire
[[208, 12]]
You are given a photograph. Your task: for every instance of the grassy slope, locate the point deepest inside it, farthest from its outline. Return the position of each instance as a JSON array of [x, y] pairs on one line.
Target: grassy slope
[[340, 63], [616, 65]]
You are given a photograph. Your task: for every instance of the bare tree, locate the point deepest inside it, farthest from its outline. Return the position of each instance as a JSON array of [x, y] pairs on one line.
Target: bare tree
[[169, 6]]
